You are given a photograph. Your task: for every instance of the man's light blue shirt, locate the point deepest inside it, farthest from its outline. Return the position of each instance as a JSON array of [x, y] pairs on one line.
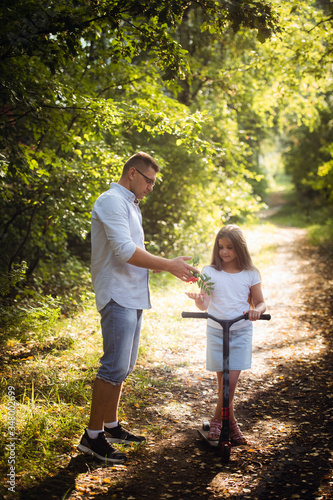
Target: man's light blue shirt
[[116, 231]]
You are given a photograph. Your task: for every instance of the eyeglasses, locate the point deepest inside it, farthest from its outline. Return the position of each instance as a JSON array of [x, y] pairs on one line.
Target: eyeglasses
[[149, 181]]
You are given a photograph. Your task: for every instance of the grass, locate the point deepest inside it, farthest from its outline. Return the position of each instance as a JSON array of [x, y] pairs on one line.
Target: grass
[[318, 223], [52, 391], [321, 235], [53, 380]]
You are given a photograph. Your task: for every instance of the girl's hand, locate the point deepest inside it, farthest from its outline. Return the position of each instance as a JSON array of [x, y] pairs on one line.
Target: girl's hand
[[195, 296], [254, 314]]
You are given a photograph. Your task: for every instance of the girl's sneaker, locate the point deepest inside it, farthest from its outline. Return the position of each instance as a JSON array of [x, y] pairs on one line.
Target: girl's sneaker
[[214, 430]]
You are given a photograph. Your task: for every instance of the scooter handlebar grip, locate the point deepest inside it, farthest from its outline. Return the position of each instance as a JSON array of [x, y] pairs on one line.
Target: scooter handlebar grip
[[263, 316], [194, 315]]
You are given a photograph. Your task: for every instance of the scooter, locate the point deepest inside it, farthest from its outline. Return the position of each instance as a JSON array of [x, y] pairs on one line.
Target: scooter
[[223, 447]]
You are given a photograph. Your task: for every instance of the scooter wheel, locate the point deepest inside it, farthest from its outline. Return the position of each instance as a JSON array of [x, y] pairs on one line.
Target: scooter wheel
[[225, 452], [206, 426]]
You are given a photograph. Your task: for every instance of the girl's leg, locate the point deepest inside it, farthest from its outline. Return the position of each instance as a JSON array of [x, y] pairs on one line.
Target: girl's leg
[[233, 379], [236, 435]]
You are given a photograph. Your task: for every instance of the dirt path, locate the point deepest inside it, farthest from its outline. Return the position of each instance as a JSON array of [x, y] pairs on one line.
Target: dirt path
[[284, 402]]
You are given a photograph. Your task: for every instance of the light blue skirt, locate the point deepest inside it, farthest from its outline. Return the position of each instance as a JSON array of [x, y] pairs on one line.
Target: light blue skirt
[[240, 349]]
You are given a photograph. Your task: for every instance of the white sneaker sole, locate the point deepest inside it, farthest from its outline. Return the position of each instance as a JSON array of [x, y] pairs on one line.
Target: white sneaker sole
[[121, 441], [92, 453]]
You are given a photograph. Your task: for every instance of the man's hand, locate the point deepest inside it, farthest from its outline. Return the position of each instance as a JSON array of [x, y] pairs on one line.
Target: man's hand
[[177, 266], [180, 269]]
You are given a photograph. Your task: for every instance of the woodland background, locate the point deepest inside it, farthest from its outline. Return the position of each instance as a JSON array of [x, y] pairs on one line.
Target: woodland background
[[234, 100], [226, 95]]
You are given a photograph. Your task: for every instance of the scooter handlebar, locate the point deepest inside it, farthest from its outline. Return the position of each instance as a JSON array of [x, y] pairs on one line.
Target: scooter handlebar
[[206, 315]]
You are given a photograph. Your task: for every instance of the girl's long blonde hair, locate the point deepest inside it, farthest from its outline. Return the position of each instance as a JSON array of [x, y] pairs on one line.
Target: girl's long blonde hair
[[233, 233]]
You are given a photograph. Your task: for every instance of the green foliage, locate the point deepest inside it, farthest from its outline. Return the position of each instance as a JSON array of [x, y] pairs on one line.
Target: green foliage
[[12, 278], [77, 87], [309, 160], [201, 279], [26, 312], [33, 316], [204, 284], [296, 99], [85, 85], [321, 234]]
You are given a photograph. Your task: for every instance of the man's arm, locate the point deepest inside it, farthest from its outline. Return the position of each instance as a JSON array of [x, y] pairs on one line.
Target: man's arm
[[176, 266]]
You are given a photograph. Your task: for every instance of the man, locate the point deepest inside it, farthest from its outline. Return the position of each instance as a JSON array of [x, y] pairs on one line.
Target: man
[[119, 268]]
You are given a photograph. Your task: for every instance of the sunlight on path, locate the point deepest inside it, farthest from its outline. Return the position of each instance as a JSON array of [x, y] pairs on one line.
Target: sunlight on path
[[284, 283]]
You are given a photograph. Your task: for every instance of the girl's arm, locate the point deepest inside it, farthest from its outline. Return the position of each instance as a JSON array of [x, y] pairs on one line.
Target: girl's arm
[[201, 300], [259, 303]]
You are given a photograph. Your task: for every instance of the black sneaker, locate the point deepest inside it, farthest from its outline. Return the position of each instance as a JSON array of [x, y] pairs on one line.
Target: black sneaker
[[100, 448], [120, 435]]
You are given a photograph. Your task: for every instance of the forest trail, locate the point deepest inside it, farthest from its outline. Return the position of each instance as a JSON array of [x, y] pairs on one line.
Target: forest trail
[[284, 403]]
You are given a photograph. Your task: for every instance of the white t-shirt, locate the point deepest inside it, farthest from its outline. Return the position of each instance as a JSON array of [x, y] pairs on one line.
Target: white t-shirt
[[229, 299]]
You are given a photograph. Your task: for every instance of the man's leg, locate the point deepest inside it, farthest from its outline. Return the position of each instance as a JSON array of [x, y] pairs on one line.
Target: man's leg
[[114, 431], [121, 333], [93, 441], [104, 405]]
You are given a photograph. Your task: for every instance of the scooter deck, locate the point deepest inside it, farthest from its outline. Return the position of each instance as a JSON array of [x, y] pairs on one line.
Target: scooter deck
[[204, 434]]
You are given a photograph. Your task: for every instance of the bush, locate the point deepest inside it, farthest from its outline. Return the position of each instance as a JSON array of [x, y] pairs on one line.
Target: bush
[[34, 317]]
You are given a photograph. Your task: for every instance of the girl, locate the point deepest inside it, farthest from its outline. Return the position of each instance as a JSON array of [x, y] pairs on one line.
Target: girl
[[236, 286]]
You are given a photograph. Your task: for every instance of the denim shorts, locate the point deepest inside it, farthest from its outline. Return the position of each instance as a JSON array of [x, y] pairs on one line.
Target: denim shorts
[[121, 329], [240, 349]]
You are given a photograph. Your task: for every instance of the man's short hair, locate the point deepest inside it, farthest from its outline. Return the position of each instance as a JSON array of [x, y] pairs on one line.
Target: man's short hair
[[141, 160]]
